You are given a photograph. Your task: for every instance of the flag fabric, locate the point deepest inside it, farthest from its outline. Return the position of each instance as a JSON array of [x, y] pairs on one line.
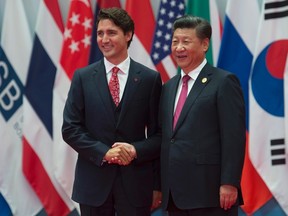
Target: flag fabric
[[237, 35], [268, 149], [75, 54], [15, 51], [95, 53], [140, 46], [37, 162], [161, 51], [208, 9], [35, 76], [4, 207]]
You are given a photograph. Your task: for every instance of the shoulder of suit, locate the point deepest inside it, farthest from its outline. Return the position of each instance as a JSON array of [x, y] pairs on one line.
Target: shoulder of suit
[[217, 71], [140, 66], [90, 67], [173, 80]]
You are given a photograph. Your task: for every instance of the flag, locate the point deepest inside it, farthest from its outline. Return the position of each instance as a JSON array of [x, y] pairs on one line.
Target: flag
[[75, 54], [140, 46], [237, 35], [161, 51], [95, 53], [15, 50], [4, 207], [268, 149], [208, 10], [37, 162]]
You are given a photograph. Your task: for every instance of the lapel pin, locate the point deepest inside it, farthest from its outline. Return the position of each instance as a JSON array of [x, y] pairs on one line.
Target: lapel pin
[[135, 79], [204, 80]]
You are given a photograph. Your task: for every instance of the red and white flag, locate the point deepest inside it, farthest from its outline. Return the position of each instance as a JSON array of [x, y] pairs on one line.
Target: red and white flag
[[38, 160], [142, 14], [75, 54], [268, 148]]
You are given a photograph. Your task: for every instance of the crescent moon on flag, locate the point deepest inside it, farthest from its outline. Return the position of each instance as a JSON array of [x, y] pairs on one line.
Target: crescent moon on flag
[[267, 82]]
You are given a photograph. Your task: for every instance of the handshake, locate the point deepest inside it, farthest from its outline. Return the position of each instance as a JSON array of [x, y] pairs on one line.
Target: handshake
[[121, 153]]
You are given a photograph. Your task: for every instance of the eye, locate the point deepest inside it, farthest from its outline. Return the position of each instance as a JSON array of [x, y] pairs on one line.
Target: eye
[[99, 34], [112, 33], [174, 41]]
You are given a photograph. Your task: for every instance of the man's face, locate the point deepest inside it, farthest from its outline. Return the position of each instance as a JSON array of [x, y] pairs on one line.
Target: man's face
[[112, 41], [187, 49]]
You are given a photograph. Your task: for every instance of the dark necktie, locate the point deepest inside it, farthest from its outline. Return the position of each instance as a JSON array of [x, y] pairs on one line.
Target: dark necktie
[[114, 86], [181, 100]]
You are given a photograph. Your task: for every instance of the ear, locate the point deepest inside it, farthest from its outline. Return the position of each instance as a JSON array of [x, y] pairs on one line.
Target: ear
[[128, 36], [205, 44]]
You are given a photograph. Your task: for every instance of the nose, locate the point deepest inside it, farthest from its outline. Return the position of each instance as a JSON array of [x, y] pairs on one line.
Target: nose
[[105, 38], [179, 47]]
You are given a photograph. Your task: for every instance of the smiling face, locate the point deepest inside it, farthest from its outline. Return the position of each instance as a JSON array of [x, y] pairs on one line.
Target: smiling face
[[112, 41], [187, 49]]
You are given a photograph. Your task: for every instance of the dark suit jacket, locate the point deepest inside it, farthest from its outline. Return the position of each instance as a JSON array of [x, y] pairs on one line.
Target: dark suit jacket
[[206, 149], [90, 127]]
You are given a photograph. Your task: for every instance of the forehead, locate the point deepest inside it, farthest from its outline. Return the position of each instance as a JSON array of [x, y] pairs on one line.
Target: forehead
[[185, 32], [107, 24]]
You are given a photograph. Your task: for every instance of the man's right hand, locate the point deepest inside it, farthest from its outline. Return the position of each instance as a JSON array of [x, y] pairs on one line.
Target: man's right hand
[[119, 155]]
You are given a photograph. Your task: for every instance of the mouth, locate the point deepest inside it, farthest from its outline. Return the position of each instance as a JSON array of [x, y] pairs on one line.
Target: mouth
[[181, 57], [106, 48]]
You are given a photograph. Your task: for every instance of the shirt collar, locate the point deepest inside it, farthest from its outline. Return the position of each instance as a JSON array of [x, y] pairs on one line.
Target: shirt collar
[[123, 66], [194, 73]]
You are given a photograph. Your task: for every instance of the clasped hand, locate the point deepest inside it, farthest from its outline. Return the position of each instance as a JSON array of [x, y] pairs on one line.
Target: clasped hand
[[121, 153]]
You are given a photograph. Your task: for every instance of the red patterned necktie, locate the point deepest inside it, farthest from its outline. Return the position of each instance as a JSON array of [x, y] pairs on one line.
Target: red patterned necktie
[[181, 100], [114, 86]]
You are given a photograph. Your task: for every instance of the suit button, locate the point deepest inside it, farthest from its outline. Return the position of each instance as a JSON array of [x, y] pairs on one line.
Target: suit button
[[172, 140]]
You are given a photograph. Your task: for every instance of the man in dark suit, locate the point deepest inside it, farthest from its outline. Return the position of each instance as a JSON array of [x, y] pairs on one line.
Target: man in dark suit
[[202, 151], [115, 136]]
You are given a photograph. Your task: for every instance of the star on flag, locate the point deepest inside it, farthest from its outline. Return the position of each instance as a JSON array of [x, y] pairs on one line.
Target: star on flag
[[77, 36]]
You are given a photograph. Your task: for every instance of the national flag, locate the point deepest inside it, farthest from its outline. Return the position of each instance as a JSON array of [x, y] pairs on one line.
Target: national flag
[[208, 10], [236, 55], [38, 163], [142, 14], [15, 51], [4, 207], [95, 53], [75, 54], [161, 51], [268, 149]]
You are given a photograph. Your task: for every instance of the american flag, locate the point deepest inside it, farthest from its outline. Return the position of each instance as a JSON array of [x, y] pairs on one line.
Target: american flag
[[160, 53]]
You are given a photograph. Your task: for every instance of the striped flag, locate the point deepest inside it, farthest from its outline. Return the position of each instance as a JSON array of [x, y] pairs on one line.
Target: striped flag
[[38, 163], [237, 35], [144, 29], [161, 51], [4, 207], [75, 54], [15, 51], [208, 10], [268, 149]]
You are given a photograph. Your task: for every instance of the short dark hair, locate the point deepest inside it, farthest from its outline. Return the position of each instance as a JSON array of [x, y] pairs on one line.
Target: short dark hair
[[119, 17], [202, 26]]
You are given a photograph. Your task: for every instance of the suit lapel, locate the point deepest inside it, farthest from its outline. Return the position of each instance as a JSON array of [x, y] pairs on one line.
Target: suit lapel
[[200, 83], [171, 103], [134, 78], [101, 85]]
